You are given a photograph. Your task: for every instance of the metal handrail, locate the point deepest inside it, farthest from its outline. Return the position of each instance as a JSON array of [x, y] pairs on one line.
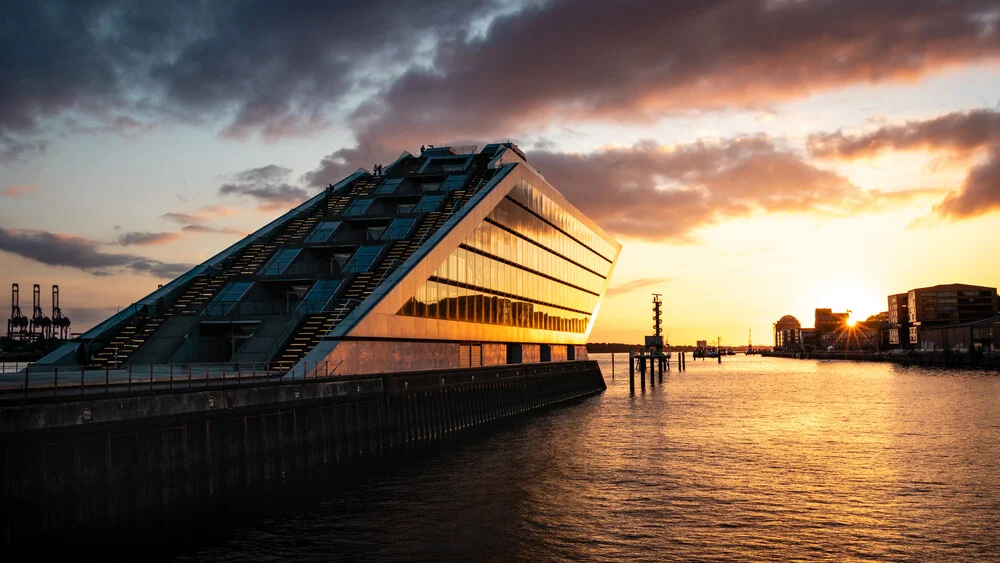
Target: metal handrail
[[73, 382], [281, 340]]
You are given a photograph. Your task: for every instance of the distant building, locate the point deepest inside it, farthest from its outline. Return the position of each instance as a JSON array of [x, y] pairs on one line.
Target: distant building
[[808, 336], [702, 344], [899, 320], [827, 324], [951, 304], [981, 335], [787, 333], [875, 331]]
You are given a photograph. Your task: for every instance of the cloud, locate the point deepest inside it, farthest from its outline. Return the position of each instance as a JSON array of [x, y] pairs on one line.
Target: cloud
[[267, 70], [215, 230], [564, 61], [70, 251], [655, 192], [979, 194], [13, 149], [17, 191], [634, 285], [266, 185], [438, 70], [960, 133], [147, 239], [201, 215]]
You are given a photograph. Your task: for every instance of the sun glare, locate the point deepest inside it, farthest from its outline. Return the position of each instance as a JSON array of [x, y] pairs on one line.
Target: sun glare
[[848, 295], [851, 321]]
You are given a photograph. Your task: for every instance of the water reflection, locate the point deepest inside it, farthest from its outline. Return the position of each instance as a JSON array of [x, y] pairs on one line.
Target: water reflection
[[754, 459]]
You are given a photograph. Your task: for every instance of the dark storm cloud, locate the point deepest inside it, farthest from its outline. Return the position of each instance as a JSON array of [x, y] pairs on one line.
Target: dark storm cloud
[[653, 192], [590, 59], [445, 69], [75, 252], [271, 69], [963, 133], [266, 185]]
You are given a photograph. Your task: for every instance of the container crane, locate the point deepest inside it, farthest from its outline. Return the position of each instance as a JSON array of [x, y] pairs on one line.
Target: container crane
[[17, 324], [60, 322]]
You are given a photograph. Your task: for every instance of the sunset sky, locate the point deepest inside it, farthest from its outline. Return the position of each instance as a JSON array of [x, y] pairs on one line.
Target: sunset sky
[[755, 158]]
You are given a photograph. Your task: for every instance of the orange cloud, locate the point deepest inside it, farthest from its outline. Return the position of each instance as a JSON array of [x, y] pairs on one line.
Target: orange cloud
[[17, 191], [652, 192], [962, 133]]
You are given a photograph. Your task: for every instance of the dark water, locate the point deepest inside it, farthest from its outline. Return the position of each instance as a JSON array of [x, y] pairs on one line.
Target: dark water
[[756, 459]]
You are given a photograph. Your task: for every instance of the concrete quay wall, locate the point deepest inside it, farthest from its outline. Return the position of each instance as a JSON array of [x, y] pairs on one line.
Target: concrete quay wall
[[99, 470], [938, 359]]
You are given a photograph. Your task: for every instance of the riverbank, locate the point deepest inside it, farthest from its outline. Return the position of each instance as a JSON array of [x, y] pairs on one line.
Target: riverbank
[[943, 359]]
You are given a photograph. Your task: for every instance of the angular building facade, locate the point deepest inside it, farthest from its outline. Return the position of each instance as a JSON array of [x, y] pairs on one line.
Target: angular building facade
[[450, 258]]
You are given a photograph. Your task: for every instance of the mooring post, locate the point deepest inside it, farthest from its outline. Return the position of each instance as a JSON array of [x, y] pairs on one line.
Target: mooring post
[[659, 361], [612, 366], [642, 372], [631, 375], [720, 356], [652, 372]]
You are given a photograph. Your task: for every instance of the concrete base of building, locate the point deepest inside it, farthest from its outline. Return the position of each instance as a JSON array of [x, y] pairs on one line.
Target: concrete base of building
[[71, 481]]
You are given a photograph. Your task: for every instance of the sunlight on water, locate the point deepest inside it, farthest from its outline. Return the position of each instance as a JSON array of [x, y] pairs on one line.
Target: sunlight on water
[[754, 459]]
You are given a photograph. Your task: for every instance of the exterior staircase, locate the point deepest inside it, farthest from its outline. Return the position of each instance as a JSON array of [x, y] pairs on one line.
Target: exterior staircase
[[129, 339]]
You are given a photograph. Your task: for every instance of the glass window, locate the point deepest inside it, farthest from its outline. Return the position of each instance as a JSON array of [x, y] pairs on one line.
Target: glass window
[[388, 186], [399, 228], [280, 262], [429, 203], [359, 206], [228, 298], [454, 182], [363, 259], [317, 298], [323, 231]]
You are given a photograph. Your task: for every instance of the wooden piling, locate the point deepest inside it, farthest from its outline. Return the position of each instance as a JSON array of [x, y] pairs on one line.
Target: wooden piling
[[642, 373], [631, 373]]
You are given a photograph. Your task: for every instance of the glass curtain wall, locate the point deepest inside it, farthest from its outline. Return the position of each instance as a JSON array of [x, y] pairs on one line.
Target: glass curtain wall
[[532, 267]]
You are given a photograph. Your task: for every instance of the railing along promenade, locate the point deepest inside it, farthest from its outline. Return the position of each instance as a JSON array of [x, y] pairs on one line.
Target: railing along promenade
[[40, 382]]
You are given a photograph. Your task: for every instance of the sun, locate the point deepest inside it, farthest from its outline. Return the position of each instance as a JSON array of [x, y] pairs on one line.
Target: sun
[[851, 321]]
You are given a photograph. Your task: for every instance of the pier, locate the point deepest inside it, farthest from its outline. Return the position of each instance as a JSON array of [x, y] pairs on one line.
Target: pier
[[88, 462]]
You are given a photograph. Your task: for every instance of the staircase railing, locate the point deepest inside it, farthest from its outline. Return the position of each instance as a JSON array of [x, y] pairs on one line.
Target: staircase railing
[[282, 340]]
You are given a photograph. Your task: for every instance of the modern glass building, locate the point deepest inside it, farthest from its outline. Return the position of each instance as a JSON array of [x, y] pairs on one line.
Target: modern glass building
[[450, 258]]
